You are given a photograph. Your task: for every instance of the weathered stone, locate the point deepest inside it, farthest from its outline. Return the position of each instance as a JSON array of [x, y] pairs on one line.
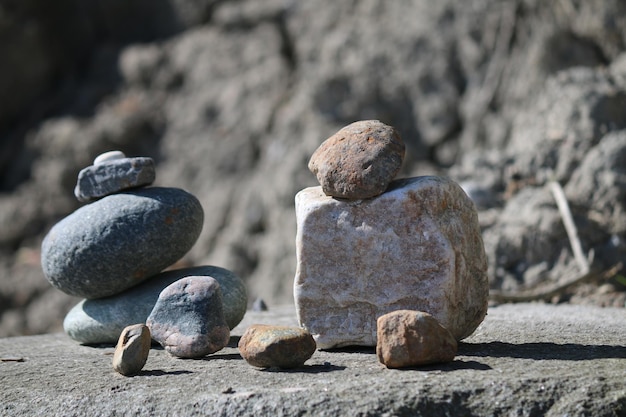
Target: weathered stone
[[101, 320], [417, 247], [280, 346], [117, 242], [133, 347], [108, 156], [359, 161], [188, 320], [112, 175], [526, 360], [412, 338]]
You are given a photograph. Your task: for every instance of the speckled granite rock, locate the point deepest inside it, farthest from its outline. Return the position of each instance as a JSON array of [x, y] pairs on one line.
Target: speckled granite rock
[[268, 346], [187, 319], [118, 241], [359, 161], [102, 320], [113, 175], [412, 338], [418, 246]]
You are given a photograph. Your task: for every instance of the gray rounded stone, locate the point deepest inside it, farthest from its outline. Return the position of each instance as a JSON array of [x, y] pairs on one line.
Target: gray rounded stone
[[117, 242], [102, 320], [187, 319], [112, 175]]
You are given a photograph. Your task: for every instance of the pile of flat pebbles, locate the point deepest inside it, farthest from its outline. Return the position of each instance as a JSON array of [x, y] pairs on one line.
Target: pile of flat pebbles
[[112, 252]]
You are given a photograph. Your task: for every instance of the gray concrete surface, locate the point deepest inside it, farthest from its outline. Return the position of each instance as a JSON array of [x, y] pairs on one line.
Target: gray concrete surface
[[524, 360]]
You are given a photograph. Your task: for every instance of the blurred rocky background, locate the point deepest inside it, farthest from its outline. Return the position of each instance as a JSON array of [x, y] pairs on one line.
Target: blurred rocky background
[[232, 97]]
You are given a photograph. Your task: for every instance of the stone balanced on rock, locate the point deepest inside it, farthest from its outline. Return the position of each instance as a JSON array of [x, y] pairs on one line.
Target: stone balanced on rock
[[120, 242], [414, 246]]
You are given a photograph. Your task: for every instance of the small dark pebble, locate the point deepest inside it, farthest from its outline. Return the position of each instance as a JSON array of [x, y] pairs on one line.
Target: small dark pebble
[[259, 305]]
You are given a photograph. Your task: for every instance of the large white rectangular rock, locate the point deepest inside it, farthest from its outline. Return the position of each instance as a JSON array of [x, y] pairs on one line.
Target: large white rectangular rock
[[417, 246]]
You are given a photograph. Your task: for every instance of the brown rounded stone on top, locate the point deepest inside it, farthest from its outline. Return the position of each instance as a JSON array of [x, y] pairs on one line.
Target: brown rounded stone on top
[[267, 346], [413, 338], [359, 161]]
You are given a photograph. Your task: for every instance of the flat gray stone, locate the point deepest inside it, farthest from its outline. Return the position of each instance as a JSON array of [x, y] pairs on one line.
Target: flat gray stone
[[115, 243], [103, 319], [418, 247], [111, 176], [526, 359]]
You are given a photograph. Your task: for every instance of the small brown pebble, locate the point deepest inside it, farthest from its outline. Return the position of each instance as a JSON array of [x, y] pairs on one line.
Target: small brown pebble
[[359, 161], [413, 338], [132, 349], [267, 346]]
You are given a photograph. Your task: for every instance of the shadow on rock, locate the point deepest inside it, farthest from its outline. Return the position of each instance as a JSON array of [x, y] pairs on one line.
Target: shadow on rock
[[160, 372], [354, 349], [223, 356], [456, 365], [234, 342], [308, 369], [542, 351]]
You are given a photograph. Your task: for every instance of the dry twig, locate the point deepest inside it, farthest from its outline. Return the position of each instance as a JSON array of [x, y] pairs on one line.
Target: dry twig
[[548, 291], [586, 274], [570, 227]]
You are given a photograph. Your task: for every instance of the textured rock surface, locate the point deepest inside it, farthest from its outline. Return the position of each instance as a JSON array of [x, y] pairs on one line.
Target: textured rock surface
[[102, 320], [602, 176], [570, 132], [132, 349], [112, 176], [117, 242], [188, 320], [412, 338], [268, 346], [415, 247], [359, 161], [452, 77], [528, 359]]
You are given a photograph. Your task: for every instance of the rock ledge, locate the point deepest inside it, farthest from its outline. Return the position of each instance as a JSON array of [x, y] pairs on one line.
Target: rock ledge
[[526, 359]]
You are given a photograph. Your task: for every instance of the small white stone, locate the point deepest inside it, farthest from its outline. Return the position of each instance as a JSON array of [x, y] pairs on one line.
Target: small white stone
[[108, 156]]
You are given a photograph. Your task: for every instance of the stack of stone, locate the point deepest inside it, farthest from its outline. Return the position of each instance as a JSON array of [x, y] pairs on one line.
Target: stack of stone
[[368, 246], [113, 250]]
